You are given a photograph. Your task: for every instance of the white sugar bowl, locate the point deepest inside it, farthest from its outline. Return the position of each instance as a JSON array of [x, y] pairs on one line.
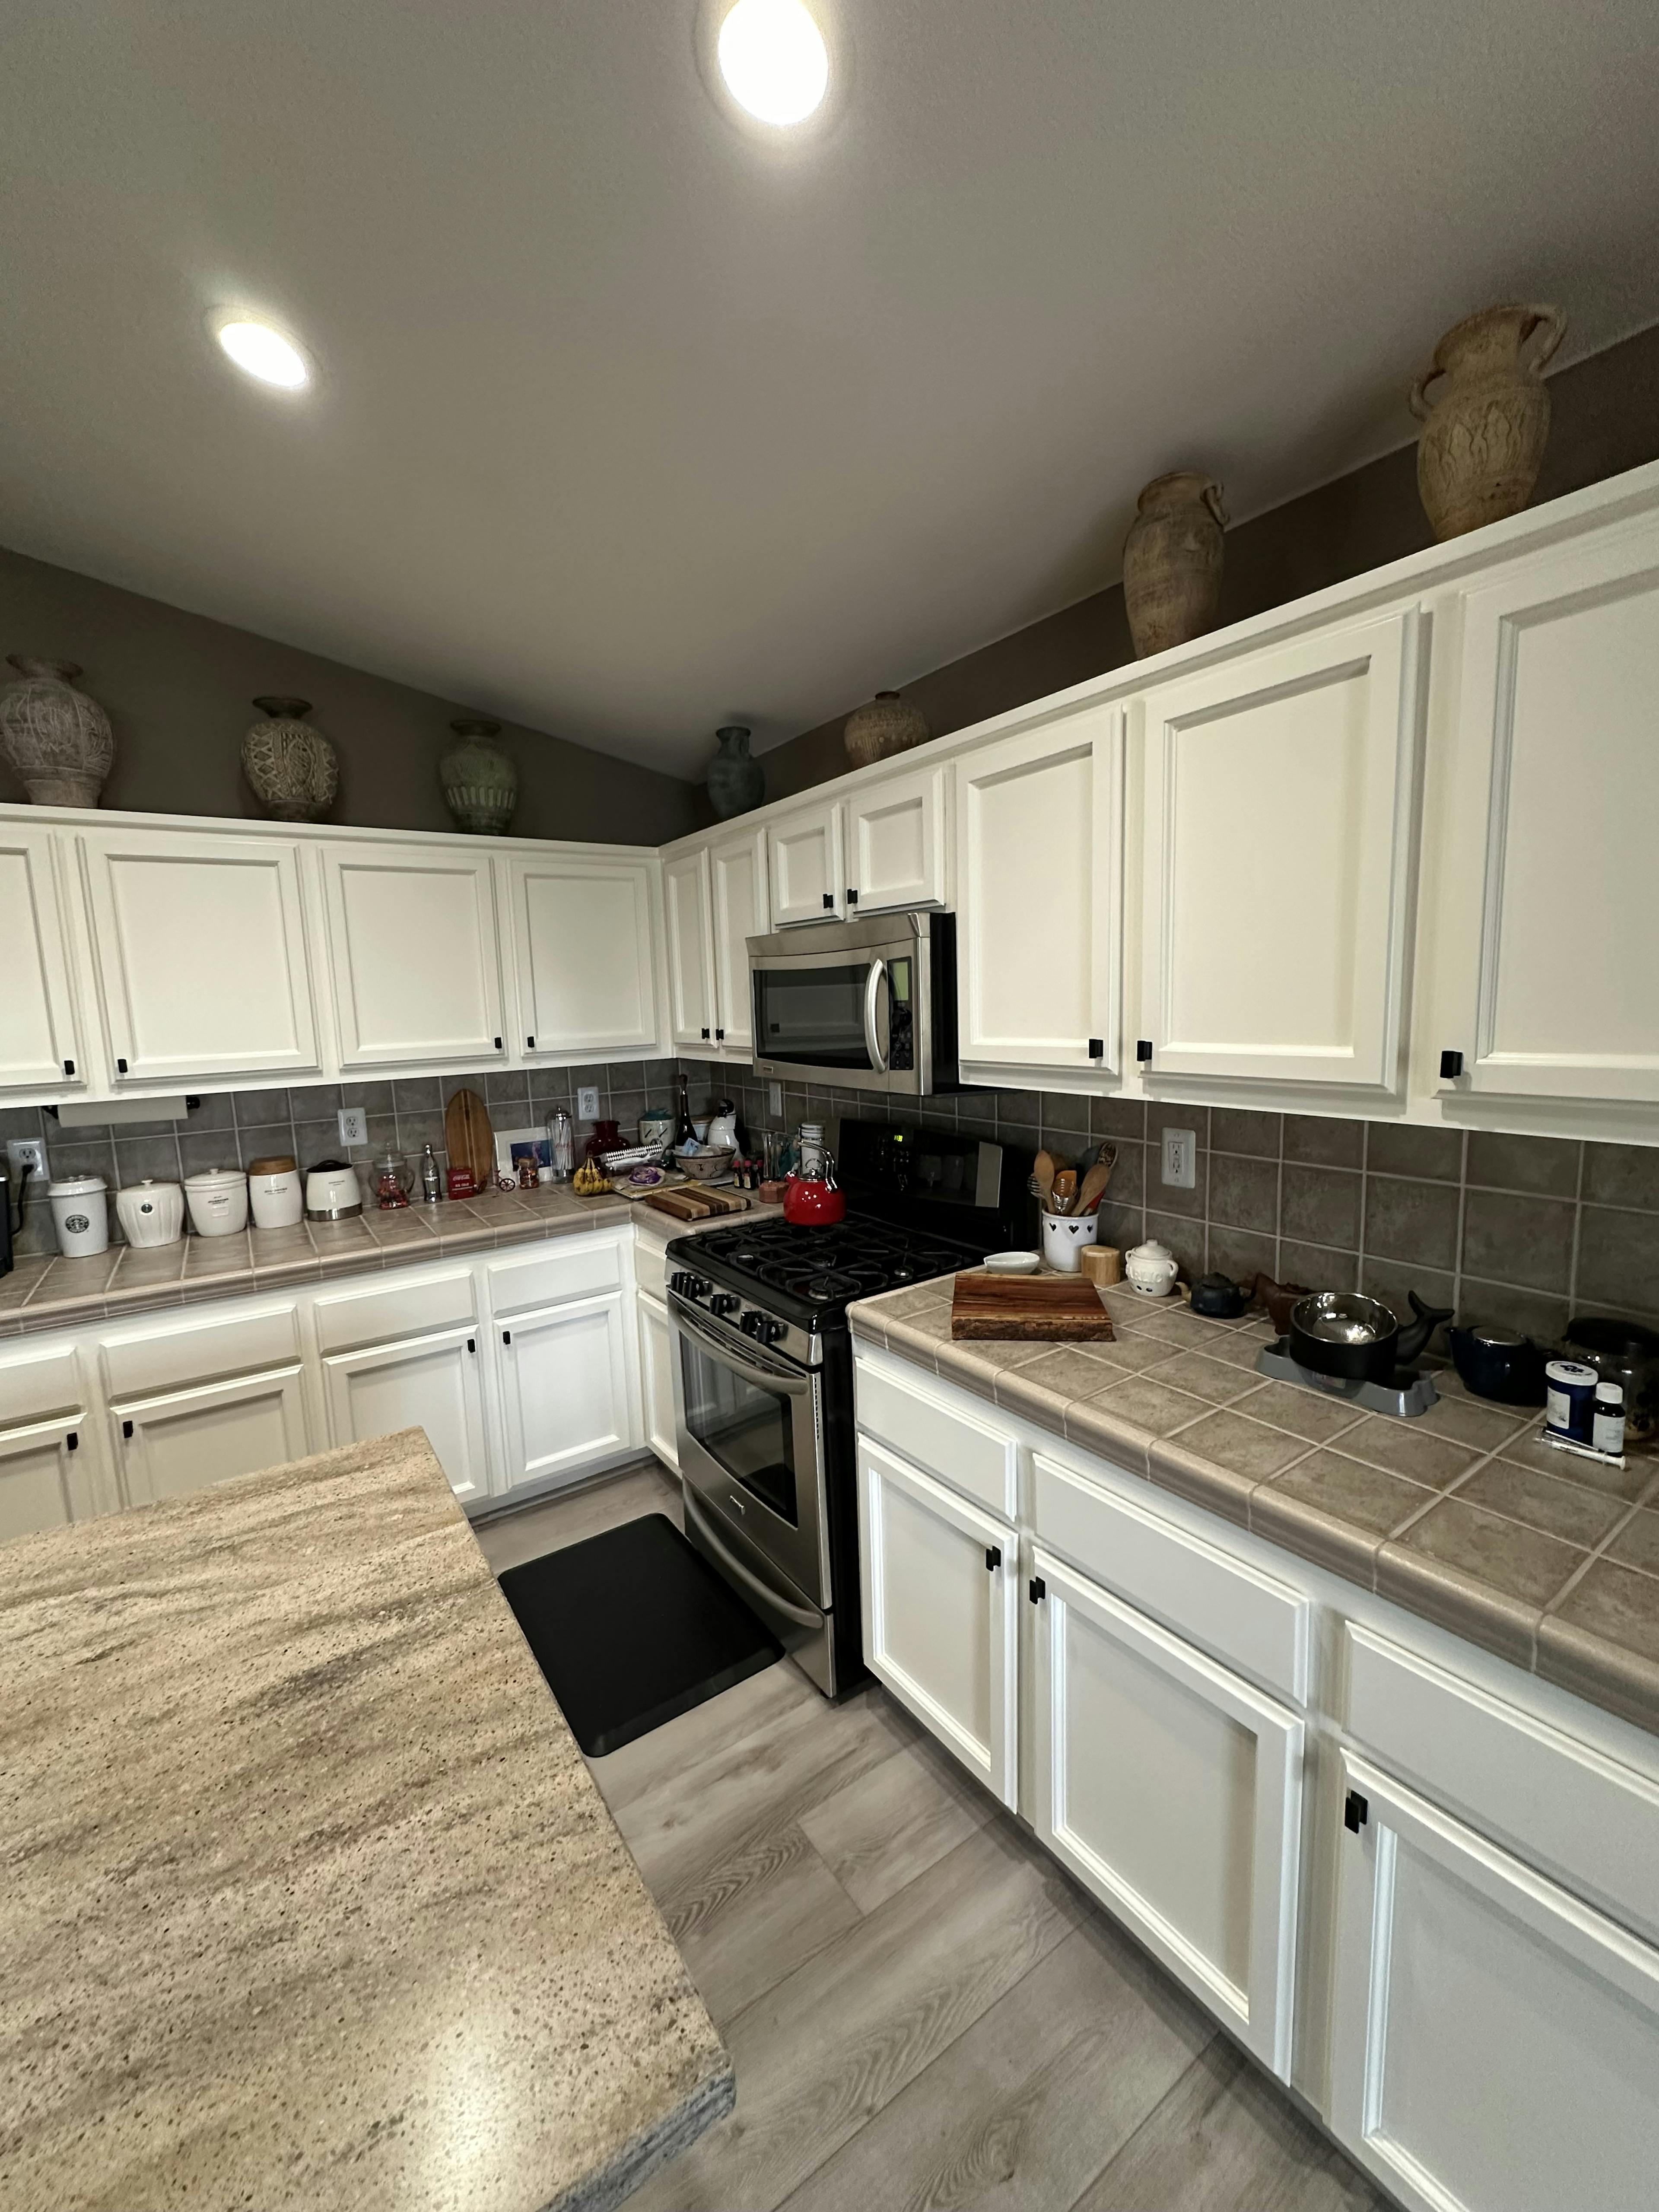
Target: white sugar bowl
[[150, 1214], [1152, 1268], [218, 1202]]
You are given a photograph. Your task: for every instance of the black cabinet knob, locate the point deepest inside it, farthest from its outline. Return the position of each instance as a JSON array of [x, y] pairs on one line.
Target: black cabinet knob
[[473, 1345], [507, 1336], [120, 1067], [720, 1036], [1097, 1047], [71, 1441], [69, 1068], [851, 895], [530, 1044], [993, 1557], [498, 1044], [1451, 1067], [829, 900], [1143, 1049], [126, 1430], [705, 1029], [1355, 1813], [1039, 1589]]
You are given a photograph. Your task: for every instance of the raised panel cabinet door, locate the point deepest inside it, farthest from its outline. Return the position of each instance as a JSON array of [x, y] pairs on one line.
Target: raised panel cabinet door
[[1039, 828], [1284, 783], [656, 1380], [169, 1446], [416, 957], [1557, 736], [564, 1390], [39, 1049], [690, 964], [809, 869], [200, 953], [1495, 2043], [939, 1596], [428, 1383], [1172, 1789], [737, 896], [587, 960], [36, 1486], [897, 844]]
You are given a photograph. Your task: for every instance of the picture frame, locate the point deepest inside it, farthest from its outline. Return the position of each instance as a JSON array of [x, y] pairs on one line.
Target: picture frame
[[512, 1146]]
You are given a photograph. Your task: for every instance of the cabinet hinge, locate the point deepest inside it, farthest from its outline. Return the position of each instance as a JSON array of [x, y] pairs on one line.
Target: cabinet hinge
[[1355, 1813], [1143, 1049], [1039, 1589], [1451, 1067], [993, 1557], [829, 900]]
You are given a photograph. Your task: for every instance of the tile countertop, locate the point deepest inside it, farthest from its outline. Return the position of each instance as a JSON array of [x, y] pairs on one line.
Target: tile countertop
[[1463, 1515], [309, 1898], [56, 1293]]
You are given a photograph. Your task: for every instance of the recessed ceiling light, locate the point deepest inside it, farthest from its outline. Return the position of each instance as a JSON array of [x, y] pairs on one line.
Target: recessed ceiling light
[[263, 352], [773, 59]]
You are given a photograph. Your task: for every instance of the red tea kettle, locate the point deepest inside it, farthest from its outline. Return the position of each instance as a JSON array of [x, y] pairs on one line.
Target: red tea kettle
[[814, 1200]]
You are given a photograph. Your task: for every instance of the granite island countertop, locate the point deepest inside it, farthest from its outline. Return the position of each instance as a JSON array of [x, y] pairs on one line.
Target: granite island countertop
[[1463, 1515], [308, 1897]]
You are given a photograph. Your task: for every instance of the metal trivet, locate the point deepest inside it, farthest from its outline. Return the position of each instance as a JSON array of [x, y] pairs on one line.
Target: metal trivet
[[1408, 1394]]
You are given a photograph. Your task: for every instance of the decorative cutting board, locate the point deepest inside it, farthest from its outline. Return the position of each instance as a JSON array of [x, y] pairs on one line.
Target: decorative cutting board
[[469, 1138], [695, 1202], [1057, 1308]]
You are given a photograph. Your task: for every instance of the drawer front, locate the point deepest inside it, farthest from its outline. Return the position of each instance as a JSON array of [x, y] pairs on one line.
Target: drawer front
[[396, 1306], [1262, 1627], [33, 1388], [951, 1445], [1586, 1819], [573, 1267], [167, 1355]]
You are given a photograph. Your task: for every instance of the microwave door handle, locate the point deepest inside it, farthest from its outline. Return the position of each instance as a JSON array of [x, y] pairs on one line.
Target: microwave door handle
[[873, 983]]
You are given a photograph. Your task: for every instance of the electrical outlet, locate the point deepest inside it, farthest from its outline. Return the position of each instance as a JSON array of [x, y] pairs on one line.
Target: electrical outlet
[[588, 1103], [22, 1152], [1180, 1159], [775, 1101], [354, 1125]]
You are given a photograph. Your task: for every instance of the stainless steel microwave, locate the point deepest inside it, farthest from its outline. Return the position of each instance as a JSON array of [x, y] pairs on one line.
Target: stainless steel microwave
[[870, 1005]]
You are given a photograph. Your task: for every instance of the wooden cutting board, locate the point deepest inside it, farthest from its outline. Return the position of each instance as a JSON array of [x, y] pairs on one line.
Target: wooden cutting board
[[694, 1203], [469, 1138], [1056, 1309]]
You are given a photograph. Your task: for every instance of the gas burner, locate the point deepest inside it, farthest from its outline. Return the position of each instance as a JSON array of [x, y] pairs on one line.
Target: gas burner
[[822, 1288]]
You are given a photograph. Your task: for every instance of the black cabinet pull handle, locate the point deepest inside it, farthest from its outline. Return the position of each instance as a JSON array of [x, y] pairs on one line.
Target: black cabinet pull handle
[[69, 1068], [1143, 1049], [71, 1441], [705, 1029], [120, 1067], [1039, 1589], [1097, 1047], [530, 1044], [720, 1036], [851, 895], [993, 1557], [829, 900], [507, 1336], [126, 1430], [1451, 1067], [1355, 1813], [498, 1044], [473, 1345]]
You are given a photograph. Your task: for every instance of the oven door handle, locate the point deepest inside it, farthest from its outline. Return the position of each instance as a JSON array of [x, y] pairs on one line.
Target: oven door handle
[[734, 1567], [762, 1370], [873, 983]]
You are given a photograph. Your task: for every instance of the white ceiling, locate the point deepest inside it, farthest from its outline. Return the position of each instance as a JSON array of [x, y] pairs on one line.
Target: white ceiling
[[628, 427]]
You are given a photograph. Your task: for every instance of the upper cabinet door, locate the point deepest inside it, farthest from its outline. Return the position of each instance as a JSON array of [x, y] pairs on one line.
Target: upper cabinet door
[[1039, 827], [809, 869], [738, 890], [690, 969], [586, 953], [200, 947], [896, 842], [414, 949], [1280, 827], [1555, 803], [39, 1048]]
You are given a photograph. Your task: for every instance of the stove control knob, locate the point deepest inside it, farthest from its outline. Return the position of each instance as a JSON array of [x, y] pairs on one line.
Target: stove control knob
[[764, 1327], [691, 1286], [724, 1302]]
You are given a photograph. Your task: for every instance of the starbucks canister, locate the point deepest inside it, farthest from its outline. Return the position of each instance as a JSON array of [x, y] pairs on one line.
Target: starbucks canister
[[80, 1214]]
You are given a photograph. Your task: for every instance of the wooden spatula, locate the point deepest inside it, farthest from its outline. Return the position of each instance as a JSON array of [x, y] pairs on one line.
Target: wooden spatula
[[1044, 1169], [1095, 1183]]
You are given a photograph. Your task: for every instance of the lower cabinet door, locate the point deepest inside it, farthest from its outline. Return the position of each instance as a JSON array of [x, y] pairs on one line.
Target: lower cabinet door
[[428, 1383], [1495, 2043], [35, 1477], [564, 1388], [940, 1588], [1172, 1789], [168, 1446], [656, 1380]]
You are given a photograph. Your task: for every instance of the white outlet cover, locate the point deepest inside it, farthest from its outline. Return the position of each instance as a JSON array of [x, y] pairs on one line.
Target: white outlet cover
[[26, 1151], [1180, 1159], [588, 1103], [354, 1125]]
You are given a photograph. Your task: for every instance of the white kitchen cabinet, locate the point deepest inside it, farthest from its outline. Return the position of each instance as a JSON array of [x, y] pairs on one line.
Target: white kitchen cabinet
[[807, 856], [40, 1044], [737, 882], [1172, 1789], [686, 896], [1039, 831], [415, 955], [199, 945], [656, 1358], [1551, 899], [898, 847], [37, 1487], [1279, 846], [168, 1446], [1495, 2042], [428, 1383], [941, 1594], [566, 1403], [584, 947]]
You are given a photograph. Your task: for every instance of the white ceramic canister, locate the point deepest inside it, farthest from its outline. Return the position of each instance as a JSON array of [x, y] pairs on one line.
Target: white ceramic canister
[[80, 1214], [274, 1191], [1152, 1268], [218, 1198], [150, 1214], [1064, 1236]]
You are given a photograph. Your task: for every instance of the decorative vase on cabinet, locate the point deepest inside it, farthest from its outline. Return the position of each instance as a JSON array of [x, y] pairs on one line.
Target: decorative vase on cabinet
[[480, 781], [56, 741], [1483, 439], [886, 726], [293, 768], [736, 783], [1172, 561]]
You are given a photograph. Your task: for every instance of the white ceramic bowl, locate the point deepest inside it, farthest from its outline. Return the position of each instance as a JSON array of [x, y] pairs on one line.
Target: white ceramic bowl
[[1064, 1236], [1011, 1263]]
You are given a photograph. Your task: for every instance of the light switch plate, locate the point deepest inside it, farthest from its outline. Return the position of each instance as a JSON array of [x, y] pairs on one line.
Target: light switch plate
[[1180, 1159], [775, 1101], [354, 1125], [588, 1103]]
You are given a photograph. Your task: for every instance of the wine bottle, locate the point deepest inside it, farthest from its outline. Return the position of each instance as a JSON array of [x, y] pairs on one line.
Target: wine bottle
[[684, 1132]]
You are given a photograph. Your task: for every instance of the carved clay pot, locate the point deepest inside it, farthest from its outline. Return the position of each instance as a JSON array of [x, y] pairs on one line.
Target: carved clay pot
[[294, 770], [1484, 435], [888, 724], [735, 782], [1172, 561], [480, 781], [56, 741]]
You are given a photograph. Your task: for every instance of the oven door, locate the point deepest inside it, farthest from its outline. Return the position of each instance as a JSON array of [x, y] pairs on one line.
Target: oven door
[[850, 1014], [748, 1430]]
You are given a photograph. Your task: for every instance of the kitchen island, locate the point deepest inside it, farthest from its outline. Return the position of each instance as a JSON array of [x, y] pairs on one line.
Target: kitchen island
[[308, 1897]]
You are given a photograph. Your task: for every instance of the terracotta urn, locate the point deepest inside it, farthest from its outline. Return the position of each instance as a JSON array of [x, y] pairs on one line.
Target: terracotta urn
[[1172, 561], [886, 726], [736, 781], [480, 781], [1484, 431], [56, 741], [293, 768]]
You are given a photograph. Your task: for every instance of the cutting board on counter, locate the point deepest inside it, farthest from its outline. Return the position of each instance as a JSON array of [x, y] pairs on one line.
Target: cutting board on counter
[[469, 1138], [1052, 1309], [696, 1202]]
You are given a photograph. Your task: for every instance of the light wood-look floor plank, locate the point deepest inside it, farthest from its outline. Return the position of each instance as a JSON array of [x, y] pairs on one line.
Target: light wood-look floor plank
[[508, 1539], [882, 1829]]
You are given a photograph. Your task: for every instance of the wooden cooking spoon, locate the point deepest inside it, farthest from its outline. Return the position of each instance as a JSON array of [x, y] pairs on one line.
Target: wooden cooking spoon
[[1096, 1180], [1043, 1169]]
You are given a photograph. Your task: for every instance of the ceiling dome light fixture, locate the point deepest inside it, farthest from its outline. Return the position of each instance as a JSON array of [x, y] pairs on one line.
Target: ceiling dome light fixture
[[773, 59], [262, 352]]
